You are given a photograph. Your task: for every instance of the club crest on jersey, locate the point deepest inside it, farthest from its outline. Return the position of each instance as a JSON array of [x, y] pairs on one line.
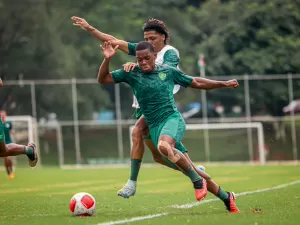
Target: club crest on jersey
[[162, 75]]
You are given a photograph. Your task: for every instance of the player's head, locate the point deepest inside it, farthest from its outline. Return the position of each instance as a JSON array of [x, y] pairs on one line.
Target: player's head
[[156, 32], [3, 115], [145, 56]]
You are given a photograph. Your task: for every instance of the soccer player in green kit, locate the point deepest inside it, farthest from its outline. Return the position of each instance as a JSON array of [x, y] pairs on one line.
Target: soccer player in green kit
[[8, 130], [153, 86], [13, 149], [156, 33]]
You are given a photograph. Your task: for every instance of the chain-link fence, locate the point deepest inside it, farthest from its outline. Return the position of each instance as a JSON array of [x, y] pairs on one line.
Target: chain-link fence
[[85, 122]]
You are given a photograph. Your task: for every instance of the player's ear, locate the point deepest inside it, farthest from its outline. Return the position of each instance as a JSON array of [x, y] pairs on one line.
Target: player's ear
[[155, 55], [163, 36]]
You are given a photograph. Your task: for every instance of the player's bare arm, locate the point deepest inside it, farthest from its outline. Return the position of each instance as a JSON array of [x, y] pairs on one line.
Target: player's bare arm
[[207, 84], [104, 75], [83, 24]]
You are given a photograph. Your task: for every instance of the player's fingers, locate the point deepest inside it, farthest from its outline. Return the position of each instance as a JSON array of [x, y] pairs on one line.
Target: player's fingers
[[76, 24], [132, 66], [101, 47], [126, 68], [75, 17], [116, 48]]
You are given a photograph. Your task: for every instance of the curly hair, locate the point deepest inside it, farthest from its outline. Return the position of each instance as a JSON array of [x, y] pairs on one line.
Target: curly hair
[[158, 26]]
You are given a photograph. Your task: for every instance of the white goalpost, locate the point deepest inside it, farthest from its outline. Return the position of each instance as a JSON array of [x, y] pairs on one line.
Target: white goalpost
[[26, 129], [227, 126]]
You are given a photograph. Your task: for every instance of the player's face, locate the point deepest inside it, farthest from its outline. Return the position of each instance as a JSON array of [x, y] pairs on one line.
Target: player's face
[[146, 60], [156, 39], [3, 115]]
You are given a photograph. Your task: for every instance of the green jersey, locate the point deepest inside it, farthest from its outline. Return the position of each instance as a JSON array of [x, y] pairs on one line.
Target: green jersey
[[167, 55], [7, 129], [154, 91]]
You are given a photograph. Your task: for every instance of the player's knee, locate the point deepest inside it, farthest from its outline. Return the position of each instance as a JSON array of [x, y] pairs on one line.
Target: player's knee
[[164, 148], [167, 150]]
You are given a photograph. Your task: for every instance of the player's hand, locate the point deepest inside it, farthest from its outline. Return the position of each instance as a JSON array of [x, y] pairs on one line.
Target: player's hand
[[80, 22], [1, 83], [108, 51], [232, 83], [2, 117], [129, 66]]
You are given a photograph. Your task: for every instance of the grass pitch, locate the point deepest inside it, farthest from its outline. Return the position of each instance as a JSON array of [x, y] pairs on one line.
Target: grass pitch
[[41, 196]]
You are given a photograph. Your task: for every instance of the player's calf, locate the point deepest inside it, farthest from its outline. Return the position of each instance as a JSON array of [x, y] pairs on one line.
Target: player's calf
[[9, 167], [182, 162]]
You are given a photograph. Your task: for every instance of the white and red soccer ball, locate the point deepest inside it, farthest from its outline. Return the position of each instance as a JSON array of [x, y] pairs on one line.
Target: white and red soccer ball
[[82, 204]]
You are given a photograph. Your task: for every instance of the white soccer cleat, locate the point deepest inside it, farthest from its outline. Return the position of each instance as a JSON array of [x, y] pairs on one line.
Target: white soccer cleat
[[33, 162], [128, 190]]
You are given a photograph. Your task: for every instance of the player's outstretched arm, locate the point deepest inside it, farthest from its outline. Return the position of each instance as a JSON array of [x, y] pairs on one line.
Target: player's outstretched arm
[[207, 84], [104, 75], [82, 23]]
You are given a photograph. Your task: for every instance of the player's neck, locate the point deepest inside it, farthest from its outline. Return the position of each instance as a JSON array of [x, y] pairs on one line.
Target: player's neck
[[161, 48]]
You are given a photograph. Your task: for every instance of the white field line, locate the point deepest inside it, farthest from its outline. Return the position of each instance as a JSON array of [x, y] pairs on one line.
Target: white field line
[[206, 164], [191, 205]]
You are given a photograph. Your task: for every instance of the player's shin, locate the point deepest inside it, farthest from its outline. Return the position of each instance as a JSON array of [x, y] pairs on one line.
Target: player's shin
[[136, 154], [181, 162]]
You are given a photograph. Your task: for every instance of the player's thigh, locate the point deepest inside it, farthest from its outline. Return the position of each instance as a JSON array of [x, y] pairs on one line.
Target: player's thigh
[[174, 127], [3, 147], [149, 143], [2, 138], [141, 124]]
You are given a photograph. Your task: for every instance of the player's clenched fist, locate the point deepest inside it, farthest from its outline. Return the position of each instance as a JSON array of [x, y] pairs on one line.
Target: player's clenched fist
[[232, 83]]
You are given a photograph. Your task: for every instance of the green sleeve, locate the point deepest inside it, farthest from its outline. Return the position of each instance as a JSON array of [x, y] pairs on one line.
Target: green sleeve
[[119, 76], [181, 78], [171, 58], [131, 48]]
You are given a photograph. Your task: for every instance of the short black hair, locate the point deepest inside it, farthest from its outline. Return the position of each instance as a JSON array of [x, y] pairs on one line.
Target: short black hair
[[158, 26], [144, 45]]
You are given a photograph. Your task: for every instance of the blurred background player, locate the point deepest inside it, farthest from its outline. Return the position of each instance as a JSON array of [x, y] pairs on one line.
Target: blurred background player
[[13, 149], [8, 131]]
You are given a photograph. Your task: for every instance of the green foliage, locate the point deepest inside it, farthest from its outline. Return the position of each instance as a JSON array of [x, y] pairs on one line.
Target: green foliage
[[236, 37]]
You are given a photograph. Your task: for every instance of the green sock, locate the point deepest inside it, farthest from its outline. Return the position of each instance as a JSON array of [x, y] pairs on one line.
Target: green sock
[[194, 176], [135, 168], [28, 151], [223, 195]]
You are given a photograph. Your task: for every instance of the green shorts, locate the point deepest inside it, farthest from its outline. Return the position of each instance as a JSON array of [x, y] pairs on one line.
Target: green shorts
[[179, 146], [174, 126], [2, 136]]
